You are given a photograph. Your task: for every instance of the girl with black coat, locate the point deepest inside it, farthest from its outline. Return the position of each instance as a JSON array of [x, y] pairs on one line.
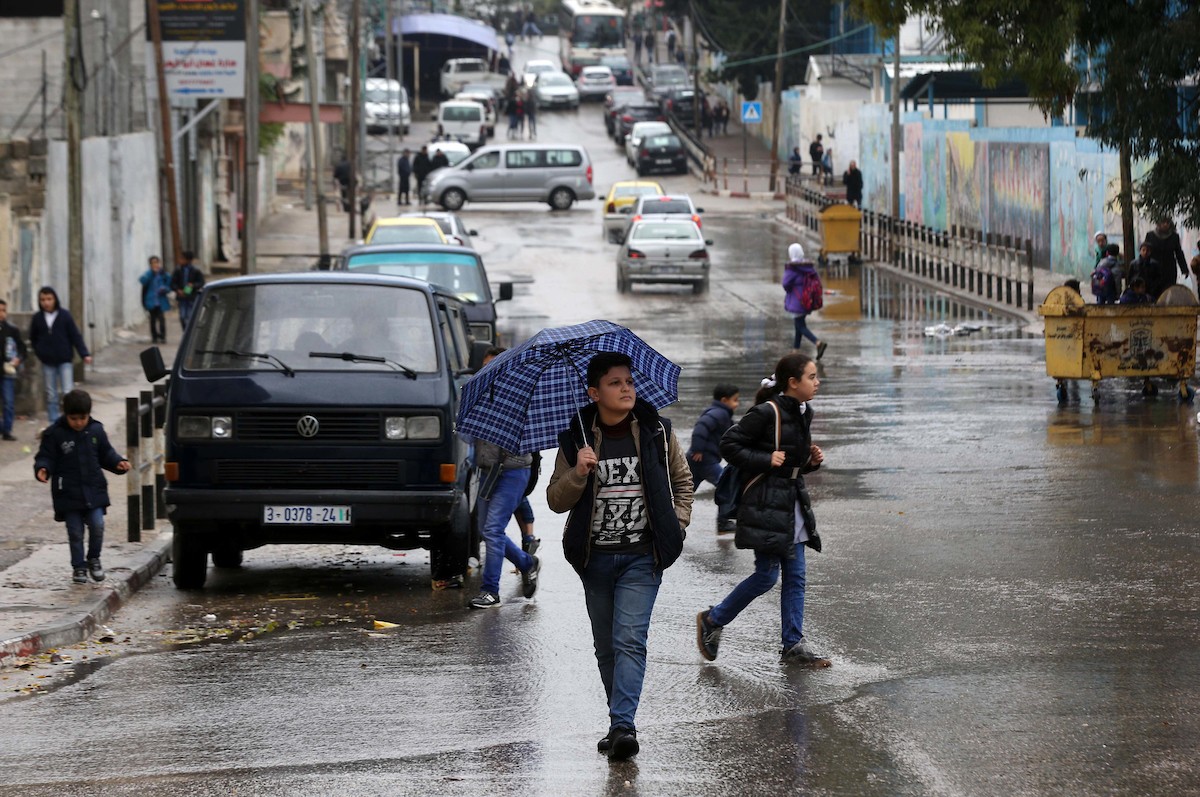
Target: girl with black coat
[[56, 338], [772, 446]]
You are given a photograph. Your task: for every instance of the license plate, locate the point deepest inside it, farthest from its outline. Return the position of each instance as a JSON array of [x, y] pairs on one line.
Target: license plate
[[666, 269], [662, 161], [289, 515]]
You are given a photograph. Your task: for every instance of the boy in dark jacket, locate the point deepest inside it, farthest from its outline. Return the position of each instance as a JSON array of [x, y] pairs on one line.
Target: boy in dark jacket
[[187, 282], [627, 488], [13, 350], [73, 453], [704, 456]]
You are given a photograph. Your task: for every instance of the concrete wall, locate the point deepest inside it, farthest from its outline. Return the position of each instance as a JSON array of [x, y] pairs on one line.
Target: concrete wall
[[21, 72]]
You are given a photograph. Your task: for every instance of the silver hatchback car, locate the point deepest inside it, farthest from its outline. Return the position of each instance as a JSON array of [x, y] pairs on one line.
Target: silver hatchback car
[[666, 250]]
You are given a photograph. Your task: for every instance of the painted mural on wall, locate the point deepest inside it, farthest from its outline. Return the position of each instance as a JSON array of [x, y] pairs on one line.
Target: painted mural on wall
[[875, 149], [966, 175], [933, 187], [912, 174], [1019, 187]]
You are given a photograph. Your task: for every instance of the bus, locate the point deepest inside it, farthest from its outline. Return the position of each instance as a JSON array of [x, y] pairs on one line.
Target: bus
[[589, 30]]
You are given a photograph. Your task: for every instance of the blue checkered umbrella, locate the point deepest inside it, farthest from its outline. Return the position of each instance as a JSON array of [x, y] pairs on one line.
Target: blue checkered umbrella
[[522, 399]]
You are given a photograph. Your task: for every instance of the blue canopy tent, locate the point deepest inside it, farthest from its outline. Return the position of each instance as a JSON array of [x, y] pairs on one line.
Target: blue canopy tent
[[432, 39]]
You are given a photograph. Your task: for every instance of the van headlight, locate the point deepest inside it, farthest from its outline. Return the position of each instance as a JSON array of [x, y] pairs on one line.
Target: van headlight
[[413, 427], [204, 427]]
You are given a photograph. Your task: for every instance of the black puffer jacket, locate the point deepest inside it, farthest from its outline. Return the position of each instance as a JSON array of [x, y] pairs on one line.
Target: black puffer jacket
[[766, 515], [75, 462]]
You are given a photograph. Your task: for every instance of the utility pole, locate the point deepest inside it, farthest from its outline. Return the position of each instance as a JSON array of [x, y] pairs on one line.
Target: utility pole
[[355, 113], [390, 75], [318, 147], [250, 137], [73, 88], [164, 110], [695, 74], [897, 133], [778, 96]]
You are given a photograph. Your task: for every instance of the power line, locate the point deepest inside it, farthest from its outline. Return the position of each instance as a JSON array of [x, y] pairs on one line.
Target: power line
[[799, 50]]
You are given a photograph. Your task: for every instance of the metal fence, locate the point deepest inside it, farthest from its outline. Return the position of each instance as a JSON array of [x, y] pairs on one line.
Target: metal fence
[[995, 268]]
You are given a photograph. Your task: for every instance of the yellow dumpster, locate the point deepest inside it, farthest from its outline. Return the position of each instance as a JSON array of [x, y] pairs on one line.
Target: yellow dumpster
[[840, 232], [1094, 341]]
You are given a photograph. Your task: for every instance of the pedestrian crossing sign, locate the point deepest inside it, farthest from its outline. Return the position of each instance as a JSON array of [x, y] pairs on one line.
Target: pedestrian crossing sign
[[752, 113]]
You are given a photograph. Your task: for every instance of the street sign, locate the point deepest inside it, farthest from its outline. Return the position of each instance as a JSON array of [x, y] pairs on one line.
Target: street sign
[[204, 48], [751, 113]]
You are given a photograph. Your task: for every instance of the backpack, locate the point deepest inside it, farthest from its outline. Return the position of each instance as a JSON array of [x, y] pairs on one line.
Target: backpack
[[1102, 282], [812, 293]]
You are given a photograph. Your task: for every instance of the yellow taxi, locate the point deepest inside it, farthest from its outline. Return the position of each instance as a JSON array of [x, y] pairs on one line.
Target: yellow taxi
[[405, 230], [620, 201]]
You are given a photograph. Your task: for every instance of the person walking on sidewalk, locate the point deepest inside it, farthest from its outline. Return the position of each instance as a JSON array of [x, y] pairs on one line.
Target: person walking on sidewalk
[[13, 349], [626, 485], [56, 339], [803, 294], [187, 282], [816, 152], [73, 456], [156, 291], [704, 455], [403, 177], [772, 445], [648, 43], [853, 180]]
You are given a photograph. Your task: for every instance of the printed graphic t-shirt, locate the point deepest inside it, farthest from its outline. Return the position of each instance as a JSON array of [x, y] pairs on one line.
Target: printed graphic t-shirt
[[619, 523]]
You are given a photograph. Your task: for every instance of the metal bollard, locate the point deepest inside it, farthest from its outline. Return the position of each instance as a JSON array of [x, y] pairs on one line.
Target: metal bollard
[[132, 441]]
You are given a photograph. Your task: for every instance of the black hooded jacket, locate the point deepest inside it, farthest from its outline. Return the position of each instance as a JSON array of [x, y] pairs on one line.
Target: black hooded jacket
[[766, 514], [56, 345], [75, 462]]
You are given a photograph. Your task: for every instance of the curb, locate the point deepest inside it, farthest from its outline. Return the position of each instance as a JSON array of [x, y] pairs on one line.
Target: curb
[[758, 195], [78, 627]]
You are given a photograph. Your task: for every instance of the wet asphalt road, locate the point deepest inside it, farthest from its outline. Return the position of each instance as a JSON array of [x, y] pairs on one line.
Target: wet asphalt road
[[1008, 589]]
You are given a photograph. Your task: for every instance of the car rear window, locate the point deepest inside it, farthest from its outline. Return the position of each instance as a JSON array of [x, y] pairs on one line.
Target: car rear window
[[666, 206], [662, 141], [460, 113], [457, 273], [635, 190], [665, 231], [643, 111]]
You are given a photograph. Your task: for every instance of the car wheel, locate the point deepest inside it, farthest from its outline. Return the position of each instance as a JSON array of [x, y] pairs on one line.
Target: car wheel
[[622, 283], [227, 558], [640, 171], [452, 199], [450, 546], [701, 286], [189, 558], [561, 198]]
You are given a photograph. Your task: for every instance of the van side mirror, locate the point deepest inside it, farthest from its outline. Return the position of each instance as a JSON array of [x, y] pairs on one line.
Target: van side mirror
[[699, 210], [708, 242], [152, 364], [506, 291], [472, 232]]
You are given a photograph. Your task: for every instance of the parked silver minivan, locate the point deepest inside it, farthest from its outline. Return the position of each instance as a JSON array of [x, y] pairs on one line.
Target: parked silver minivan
[[557, 174]]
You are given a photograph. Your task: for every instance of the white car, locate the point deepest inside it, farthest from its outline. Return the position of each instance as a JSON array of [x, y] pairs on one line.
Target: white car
[[535, 67], [385, 106], [555, 90], [637, 133], [454, 151], [595, 82], [485, 97]]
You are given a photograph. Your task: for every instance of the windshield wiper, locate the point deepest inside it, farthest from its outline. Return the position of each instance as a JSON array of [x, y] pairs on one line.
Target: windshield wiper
[[351, 357], [251, 355]]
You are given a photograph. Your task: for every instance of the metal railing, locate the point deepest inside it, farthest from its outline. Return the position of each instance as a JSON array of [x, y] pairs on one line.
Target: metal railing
[[995, 268], [145, 443]]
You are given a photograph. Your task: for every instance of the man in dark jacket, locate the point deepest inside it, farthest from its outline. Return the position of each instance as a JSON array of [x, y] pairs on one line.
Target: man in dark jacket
[[816, 152], [421, 167], [629, 495], [187, 282], [55, 339], [853, 180], [73, 456], [12, 349], [1167, 250], [439, 160], [704, 455], [403, 173]]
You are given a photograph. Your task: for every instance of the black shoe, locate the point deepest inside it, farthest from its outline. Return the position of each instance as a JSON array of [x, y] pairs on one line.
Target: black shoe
[[96, 569], [821, 349], [624, 744], [79, 575], [530, 545], [9, 437], [708, 636], [484, 600], [605, 744], [800, 653], [727, 527], [529, 579]]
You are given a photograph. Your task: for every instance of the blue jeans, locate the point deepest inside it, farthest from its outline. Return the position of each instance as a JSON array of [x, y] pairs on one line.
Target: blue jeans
[[524, 511], [8, 390], [94, 520], [60, 380], [766, 573], [494, 513], [620, 590], [186, 308], [711, 473], [802, 332]]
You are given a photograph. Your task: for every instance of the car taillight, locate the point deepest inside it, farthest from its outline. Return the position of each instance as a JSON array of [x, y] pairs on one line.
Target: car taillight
[[638, 217], [626, 118], [635, 254], [589, 174], [612, 207], [696, 219], [699, 254], [645, 153], [670, 105]]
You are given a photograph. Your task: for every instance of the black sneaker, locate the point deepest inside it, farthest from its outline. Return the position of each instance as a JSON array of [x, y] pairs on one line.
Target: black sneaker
[[821, 349], [9, 437], [605, 744], [484, 600], [623, 745], [800, 653], [79, 575], [96, 569], [727, 527], [530, 545], [708, 636], [529, 579]]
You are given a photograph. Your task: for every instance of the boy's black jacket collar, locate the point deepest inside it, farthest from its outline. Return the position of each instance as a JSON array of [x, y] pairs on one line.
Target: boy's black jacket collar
[[643, 412]]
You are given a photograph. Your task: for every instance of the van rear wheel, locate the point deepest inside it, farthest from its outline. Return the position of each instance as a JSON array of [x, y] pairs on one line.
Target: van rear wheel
[[189, 558], [561, 198], [452, 199]]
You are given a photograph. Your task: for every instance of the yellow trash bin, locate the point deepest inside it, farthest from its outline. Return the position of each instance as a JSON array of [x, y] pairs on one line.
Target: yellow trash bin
[[840, 231], [1097, 341]]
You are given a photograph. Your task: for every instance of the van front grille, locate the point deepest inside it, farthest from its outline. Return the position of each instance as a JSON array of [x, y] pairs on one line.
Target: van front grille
[[326, 474], [332, 426]]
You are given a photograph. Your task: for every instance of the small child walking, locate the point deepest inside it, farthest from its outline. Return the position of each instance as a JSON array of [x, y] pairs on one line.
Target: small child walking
[[704, 455], [74, 450]]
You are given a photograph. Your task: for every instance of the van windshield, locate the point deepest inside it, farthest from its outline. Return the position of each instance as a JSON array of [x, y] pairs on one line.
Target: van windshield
[[382, 96], [455, 273], [289, 320]]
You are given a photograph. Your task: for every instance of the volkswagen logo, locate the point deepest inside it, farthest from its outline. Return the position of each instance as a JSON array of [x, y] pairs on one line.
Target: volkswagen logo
[[308, 426]]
